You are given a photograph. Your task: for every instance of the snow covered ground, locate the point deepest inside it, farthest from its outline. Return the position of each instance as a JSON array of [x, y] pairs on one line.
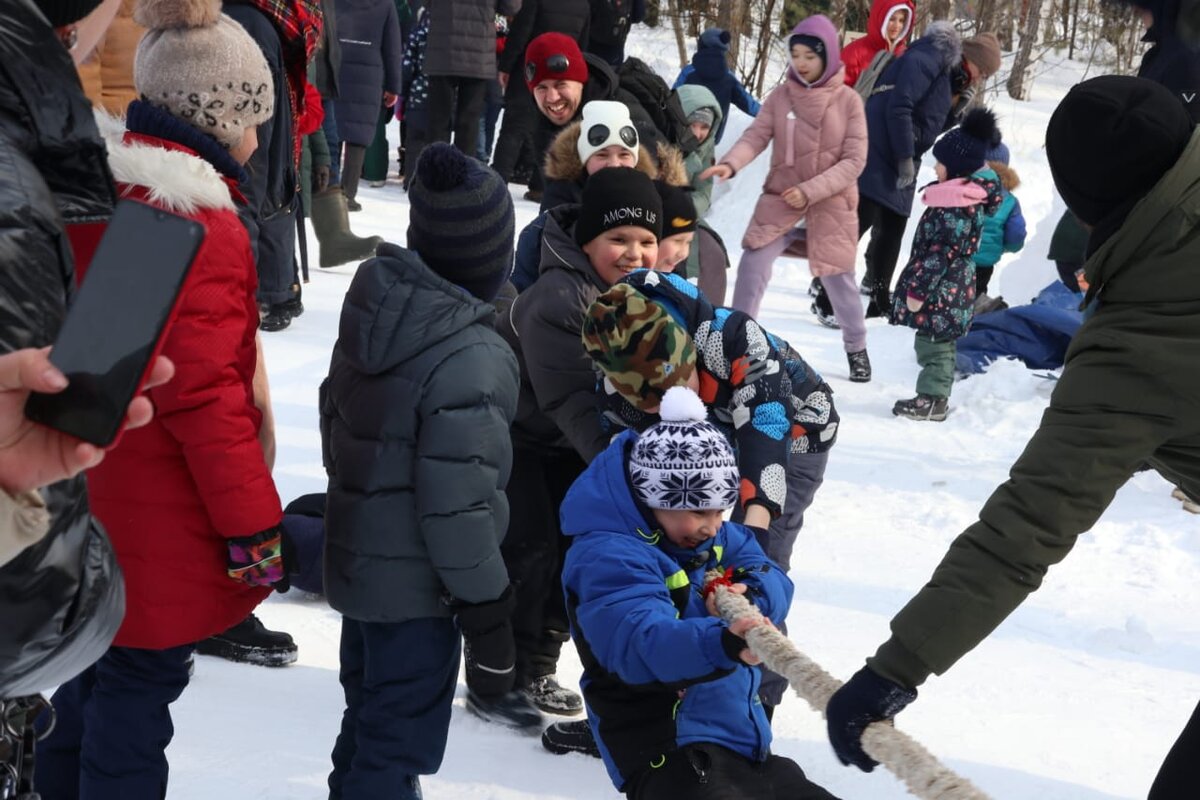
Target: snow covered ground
[[1076, 697]]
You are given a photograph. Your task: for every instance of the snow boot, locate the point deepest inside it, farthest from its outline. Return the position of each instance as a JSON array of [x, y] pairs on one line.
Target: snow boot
[[924, 407], [331, 222], [273, 318], [985, 304], [867, 287], [250, 642], [880, 305], [1189, 505], [511, 710], [570, 737], [860, 366], [547, 694]]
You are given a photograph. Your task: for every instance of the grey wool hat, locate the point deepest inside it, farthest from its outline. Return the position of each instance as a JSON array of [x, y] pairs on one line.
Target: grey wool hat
[[460, 220], [202, 67]]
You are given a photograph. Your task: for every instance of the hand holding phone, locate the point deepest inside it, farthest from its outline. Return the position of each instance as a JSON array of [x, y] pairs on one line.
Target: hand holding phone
[[32, 455], [115, 326]]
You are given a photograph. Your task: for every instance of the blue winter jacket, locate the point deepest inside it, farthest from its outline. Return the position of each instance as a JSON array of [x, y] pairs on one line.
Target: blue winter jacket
[[710, 69], [1004, 231], [369, 35], [907, 111], [656, 673]]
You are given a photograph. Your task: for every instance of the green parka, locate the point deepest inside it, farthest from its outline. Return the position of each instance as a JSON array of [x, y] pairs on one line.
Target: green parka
[[1129, 395]]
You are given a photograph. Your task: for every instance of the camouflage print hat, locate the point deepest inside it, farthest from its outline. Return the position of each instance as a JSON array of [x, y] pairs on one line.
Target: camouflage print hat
[[640, 347]]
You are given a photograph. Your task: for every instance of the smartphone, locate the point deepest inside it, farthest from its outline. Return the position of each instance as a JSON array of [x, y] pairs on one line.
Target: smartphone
[[113, 327]]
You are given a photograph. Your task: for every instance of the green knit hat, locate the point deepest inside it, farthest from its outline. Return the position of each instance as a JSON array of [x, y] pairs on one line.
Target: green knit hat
[[639, 347]]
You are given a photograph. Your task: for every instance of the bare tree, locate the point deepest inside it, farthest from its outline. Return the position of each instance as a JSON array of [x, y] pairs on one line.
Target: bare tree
[[1020, 82], [837, 15]]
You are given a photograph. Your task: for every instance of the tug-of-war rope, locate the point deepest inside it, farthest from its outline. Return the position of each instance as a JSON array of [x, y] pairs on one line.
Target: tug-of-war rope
[[921, 772]]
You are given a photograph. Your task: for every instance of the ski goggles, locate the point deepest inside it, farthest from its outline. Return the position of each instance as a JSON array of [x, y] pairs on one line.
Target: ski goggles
[[556, 64], [600, 134]]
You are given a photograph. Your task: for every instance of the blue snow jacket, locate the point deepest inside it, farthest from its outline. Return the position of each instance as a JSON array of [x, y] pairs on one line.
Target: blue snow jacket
[[656, 671], [710, 70], [1003, 231], [907, 111]]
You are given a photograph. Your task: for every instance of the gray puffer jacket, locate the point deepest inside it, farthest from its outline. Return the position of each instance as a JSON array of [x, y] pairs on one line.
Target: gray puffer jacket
[[544, 325], [462, 37], [414, 434]]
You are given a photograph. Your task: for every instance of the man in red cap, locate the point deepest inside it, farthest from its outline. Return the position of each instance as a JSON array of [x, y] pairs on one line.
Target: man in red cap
[[562, 80]]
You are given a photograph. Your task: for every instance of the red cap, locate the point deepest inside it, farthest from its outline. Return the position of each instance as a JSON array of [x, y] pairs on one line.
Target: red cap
[[554, 55]]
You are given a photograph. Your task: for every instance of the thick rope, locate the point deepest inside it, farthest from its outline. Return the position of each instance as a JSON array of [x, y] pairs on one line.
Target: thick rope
[[921, 772]]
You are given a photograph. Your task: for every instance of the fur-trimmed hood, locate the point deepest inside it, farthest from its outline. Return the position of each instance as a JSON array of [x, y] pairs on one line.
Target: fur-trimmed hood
[[563, 164], [177, 181], [1008, 176], [942, 38]]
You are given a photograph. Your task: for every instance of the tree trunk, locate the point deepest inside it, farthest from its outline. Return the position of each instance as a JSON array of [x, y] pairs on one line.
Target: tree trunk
[[837, 15], [765, 35], [1020, 81], [1074, 20], [939, 9], [677, 25]]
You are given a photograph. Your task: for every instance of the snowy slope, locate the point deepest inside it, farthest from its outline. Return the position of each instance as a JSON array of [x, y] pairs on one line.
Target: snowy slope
[[1076, 697]]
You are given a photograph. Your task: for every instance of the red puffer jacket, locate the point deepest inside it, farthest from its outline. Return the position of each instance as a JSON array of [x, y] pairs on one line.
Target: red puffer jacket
[[857, 55], [175, 490]]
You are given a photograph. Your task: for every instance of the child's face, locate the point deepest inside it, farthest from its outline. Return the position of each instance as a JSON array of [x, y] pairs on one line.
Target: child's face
[[619, 251], [807, 63], [612, 156], [941, 171], [700, 130], [896, 24], [242, 152], [688, 529], [672, 250]]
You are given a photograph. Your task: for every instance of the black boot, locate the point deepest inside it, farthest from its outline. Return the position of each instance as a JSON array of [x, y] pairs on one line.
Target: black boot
[[274, 317], [570, 737], [923, 407], [881, 303], [512, 710], [860, 366], [548, 695], [250, 642]]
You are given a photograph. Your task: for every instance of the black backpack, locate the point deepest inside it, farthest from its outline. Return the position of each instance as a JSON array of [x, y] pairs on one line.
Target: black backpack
[[660, 102], [610, 21]]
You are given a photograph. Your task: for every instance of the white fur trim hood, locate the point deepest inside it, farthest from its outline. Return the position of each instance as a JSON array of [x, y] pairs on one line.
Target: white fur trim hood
[[178, 182]]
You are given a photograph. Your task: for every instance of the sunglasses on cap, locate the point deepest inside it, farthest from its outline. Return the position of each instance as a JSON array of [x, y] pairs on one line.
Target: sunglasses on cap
[[598, 134], [557, 63]]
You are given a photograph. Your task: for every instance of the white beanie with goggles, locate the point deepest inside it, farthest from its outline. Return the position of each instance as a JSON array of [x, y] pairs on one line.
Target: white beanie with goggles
[[605, 123]]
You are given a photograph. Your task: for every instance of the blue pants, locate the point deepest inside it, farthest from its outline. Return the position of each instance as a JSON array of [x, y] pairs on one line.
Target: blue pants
[[329, 128], [113, 727], [399, 680]]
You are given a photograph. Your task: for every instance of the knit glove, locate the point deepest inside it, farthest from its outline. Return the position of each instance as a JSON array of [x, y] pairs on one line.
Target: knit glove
[[906, 173], [863, 699], [261, 559], [489, 648]]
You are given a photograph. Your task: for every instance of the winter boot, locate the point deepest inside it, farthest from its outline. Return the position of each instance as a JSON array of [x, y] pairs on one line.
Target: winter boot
[[570, 737], [250, 642], [860, 366], [867, 287], [985, 304], [533, 195], [923, 407], [1189, 505], [511, 709], [881, 303], [547, 694], [273, 318], [331, 222]]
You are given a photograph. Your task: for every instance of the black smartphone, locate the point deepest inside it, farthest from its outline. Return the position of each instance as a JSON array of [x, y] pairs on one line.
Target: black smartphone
[[112, 330]]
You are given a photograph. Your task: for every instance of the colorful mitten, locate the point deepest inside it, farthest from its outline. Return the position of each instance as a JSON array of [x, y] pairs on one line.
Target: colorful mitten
[[258, 560]]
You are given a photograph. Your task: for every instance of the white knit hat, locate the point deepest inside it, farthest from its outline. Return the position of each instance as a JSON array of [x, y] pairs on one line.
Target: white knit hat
[[202, 67], [606, 122], [684, 462]]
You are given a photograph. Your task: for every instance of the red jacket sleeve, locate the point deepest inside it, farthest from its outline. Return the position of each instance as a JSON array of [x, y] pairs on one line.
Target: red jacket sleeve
[[208, 406]]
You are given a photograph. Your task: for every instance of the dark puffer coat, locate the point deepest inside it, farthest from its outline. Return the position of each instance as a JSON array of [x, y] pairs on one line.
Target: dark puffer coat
[[369, 36], [908, 111], [414, 434], [570, 17], [61, 599], [462, 37]]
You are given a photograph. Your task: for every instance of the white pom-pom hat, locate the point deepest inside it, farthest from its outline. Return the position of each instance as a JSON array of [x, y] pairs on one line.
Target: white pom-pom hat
[[683, 462]]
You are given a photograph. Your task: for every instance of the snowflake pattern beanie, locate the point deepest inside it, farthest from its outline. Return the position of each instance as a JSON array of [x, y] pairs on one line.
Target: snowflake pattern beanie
[[684, 462]]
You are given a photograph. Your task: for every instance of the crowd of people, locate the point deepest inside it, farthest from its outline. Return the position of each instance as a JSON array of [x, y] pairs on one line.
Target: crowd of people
[[548, 436]]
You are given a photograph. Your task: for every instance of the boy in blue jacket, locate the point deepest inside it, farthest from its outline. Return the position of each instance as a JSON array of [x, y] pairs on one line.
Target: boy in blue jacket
[[671, 694], [1003, 231]]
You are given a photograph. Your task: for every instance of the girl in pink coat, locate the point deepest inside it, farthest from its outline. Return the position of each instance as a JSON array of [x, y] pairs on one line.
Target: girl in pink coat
[[809, 205]]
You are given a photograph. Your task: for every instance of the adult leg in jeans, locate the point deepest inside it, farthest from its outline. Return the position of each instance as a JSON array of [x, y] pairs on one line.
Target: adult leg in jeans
[[471, 96], [1177, 778], [329, 128], [805, 474], [405, 690], [278, 281], [843, 299], [352, 169], [754, 273], [56, 770]]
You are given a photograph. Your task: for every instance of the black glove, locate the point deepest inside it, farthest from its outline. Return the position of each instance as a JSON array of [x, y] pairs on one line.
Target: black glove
[[906, 173], [864, 699], [489, 649]]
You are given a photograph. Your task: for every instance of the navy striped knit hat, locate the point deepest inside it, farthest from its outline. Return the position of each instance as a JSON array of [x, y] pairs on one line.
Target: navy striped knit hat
[[460, 220]]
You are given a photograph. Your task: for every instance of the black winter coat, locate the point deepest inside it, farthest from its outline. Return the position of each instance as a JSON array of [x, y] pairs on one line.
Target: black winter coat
[[570, 17], [557, 408], [908, 110], [415, 417], [372, 52], [62, 599], [325, 68], [462, 37]]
